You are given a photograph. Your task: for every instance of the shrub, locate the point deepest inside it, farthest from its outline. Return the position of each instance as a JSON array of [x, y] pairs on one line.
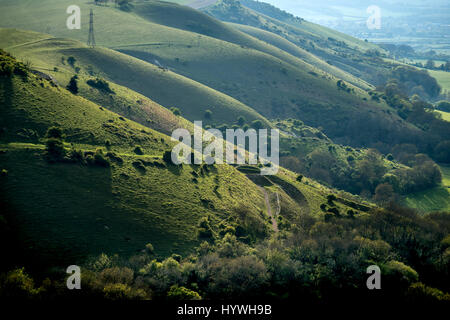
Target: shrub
[[73, 85], [117, 275], [77, 156], [182, 293], [335, 211], [442, 151], [175, 111], [257, 124], [71, 61], [100, 84], [331, 198], [55, 148], [90, 159], [120, 291], [125, 5], [18, 284], [422, 293], [99, 158], [114, 157], [149, 248], [299, 178], [443, 106], [208, 114], [54, 132], [139, 166], [204, 230], [241, 121], [351, 213], [167, 157], [138, 150], [400, 272]]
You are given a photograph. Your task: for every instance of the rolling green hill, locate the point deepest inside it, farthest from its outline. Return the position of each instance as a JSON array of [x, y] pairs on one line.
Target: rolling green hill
[[188, 19], [81, 207], [345, 52], [160, 85], [297, 51], [89, 209], [272, 87]]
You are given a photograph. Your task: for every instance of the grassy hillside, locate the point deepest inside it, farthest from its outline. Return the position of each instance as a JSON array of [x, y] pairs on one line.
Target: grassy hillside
[[443, 78], [83, 208], [272, 87], [87, 209], [188, 19], [340, 50], [445, 115], [122, 100], [160, 85], [297, 51]]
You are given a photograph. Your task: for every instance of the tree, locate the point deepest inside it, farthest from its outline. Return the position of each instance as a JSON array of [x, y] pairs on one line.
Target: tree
[[167, 157], [384, 193], [241, 120], [176, 111], [71, 60], [257, 124], [442, 151], [182, 293], [54, 132], [430, 64], [54, 145], [208, 114], [73, 85], [443, 106]]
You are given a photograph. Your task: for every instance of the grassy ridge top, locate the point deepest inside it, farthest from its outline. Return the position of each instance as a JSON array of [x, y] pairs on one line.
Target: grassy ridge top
[[185, 18], [299, 52]]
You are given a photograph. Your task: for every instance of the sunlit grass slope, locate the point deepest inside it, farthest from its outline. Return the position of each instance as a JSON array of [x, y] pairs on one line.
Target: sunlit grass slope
[[83, 210], [435, 199]]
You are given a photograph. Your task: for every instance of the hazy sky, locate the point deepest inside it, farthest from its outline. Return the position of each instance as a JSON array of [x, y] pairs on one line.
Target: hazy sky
[[333, 9]]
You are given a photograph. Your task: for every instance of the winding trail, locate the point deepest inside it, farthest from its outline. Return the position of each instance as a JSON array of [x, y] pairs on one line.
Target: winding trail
[[269, 210]]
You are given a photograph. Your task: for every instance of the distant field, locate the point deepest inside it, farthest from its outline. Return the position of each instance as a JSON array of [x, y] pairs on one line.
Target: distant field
[[445, 115], [435, 199], [443, 78], [423, 61]]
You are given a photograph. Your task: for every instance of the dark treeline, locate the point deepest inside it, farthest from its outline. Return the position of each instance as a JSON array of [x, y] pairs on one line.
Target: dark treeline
[[312, 259]]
